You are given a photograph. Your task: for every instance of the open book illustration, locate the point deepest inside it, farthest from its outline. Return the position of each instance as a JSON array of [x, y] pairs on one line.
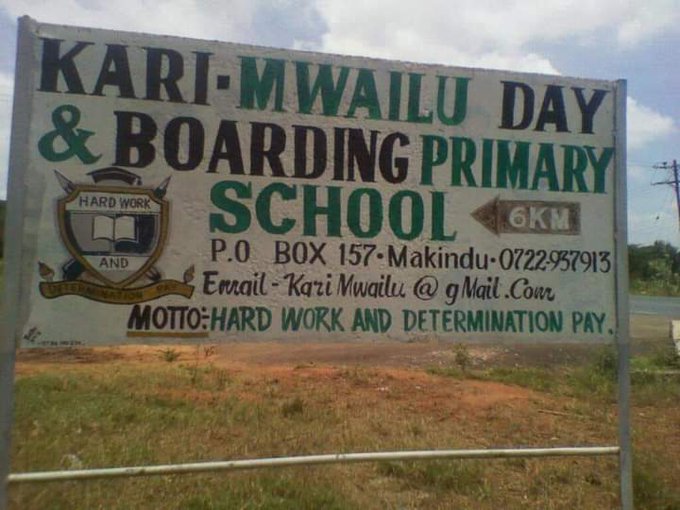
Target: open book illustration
[[114, 229]]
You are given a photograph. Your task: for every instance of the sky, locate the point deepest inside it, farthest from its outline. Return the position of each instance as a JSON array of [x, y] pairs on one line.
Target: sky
[[603, 39]]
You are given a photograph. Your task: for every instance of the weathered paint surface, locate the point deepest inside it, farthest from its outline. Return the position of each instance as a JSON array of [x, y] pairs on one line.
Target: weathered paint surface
[[186, 189]]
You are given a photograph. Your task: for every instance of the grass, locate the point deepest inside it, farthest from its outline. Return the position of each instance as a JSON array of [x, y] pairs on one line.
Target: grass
[[169, 354], [293, 407], [284, 491], [666, 288], [650, 491], [460, 477], [526, 377], [655, 386], [653, 376], [120, 413], [122, 419]]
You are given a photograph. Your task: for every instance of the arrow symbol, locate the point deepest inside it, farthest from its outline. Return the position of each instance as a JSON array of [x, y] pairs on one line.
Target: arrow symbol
[[487, 215], [529, 217]]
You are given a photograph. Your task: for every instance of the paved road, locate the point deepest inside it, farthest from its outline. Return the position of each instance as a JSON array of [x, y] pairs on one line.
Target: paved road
[[652, 305]]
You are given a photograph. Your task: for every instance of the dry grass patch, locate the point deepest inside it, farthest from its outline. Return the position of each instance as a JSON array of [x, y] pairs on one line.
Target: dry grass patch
[[141, 409]]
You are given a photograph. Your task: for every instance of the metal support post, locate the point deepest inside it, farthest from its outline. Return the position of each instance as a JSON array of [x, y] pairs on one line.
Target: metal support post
[[11, 304], [622, 327]]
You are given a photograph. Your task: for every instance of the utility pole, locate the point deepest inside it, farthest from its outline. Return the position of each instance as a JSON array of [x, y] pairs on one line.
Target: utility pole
[[673, 181]]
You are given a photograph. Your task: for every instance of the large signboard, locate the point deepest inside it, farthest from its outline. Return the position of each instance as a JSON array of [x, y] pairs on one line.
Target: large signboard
[[186, 189]]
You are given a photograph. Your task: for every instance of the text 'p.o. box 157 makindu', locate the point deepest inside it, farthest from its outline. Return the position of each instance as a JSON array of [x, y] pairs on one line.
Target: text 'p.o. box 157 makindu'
[[176, 188]]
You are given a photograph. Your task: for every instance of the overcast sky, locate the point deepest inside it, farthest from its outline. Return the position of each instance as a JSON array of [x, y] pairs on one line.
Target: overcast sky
[[609, 39]]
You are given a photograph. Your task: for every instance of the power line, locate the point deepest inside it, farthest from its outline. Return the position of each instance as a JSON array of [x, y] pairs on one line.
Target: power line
[[673, 181]]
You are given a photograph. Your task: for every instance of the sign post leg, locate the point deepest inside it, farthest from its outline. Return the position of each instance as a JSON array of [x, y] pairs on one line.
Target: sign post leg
[[625, 440], [623, 315], [14, 231], [6, 406]]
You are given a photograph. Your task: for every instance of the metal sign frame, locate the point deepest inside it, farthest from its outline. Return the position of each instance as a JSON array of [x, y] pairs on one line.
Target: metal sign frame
[[15, 261]]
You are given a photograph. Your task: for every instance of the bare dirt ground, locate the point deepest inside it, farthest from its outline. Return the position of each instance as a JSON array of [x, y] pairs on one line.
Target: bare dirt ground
[[379, 387], [400, 364]]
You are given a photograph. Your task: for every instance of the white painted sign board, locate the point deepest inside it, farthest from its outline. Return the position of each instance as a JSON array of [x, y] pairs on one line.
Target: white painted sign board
[[185, 189]]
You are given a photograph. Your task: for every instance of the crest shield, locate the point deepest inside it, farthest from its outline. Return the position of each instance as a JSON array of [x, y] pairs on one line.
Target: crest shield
[[116, 233]]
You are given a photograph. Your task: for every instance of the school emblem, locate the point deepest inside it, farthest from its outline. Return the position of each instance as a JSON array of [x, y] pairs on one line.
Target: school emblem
[[115, 230]]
